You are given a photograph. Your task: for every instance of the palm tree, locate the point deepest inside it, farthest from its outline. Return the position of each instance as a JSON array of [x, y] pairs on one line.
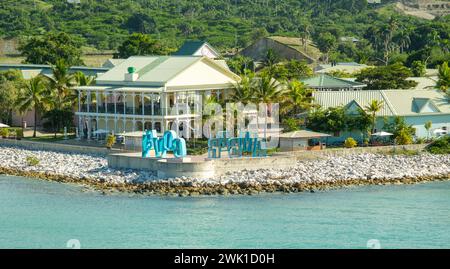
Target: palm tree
[[297, 98], [242, 91], [60, 85], [267, 91], [83, 80], [31, 98], [372, 108]]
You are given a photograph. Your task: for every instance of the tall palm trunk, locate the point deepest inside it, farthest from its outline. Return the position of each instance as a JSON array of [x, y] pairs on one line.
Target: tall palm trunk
[[35, 121]]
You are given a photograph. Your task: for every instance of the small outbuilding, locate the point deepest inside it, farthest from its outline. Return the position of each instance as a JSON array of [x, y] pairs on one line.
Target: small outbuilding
[[302, 140]]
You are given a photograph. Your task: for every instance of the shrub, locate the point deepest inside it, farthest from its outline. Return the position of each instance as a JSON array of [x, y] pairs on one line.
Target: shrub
[[420, 140], [19, 133], [440, 146], [291, 124], [350, 143], [404, 138], [4, 132], [110, 141], [32, 161]]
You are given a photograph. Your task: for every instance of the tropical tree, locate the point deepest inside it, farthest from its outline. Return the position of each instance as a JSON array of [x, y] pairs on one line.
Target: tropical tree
[[51, 48], [418, 68], [444, 77], [296, 99], [267, 91], [242, 91], [11, 82], [82, 80], [373, 108], [60, 86], [31, 97], [326, 42], [393, 76], [61, 96], [428, 126], [403, 133], [140, 44]]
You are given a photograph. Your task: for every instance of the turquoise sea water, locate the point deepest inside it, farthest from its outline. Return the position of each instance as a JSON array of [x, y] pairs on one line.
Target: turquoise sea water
[[37, 214]]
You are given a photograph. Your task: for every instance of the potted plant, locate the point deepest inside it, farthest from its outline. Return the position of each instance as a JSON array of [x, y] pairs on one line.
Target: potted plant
[[110, 141]]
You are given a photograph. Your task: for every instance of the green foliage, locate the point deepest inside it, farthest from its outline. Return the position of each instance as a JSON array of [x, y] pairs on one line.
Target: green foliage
[[444, 77], [140, 44], [440, 146], [110, 141], [337, 119], [10, 83], [4, 132], [19, 133], [386, 77], [297, 98], [418, 69], [232, 24], [350, 143], [403, 133], [32, 161], [50, 48], [326, 42], [403, 137], [31, 97], [239, 64], [291, 124], [330, 120], [373, 108]]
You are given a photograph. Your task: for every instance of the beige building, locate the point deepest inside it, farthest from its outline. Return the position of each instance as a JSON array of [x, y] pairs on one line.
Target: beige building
[[152, 92]]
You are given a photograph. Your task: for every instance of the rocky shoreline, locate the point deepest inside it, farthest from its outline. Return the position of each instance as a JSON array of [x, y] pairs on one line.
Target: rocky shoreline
[[312, 175]]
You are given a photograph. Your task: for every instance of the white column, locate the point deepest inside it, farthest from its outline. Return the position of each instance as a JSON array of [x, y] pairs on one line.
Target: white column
[[79, 100], [115, 104], [142, 103], [89, 128], [96, 103], [134, 104], [124, 104], [88, 101], [153, 103]]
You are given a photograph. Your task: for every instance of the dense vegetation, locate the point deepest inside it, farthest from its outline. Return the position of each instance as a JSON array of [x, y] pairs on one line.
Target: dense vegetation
[[440, 146], [384, 35]]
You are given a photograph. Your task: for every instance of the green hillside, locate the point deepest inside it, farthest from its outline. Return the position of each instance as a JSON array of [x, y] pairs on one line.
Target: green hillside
[[226, 24]]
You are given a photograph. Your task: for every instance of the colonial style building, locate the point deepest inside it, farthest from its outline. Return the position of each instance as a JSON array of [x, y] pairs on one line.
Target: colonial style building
[[141, 93]]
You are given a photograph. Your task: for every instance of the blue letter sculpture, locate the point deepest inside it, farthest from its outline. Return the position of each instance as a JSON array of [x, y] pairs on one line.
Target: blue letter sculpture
[[236, 146], [169, 142]]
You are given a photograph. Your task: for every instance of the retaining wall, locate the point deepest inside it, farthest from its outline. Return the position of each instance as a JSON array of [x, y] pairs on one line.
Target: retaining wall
[[57, 147]]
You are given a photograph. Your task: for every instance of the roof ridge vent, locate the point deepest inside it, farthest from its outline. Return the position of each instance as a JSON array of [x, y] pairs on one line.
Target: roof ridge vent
[[131, 74]]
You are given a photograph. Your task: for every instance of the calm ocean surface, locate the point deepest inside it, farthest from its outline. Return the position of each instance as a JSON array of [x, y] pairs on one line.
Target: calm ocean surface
[[37, 214]]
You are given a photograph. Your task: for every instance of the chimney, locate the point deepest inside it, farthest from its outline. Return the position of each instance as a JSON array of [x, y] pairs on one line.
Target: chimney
[[131, 75]]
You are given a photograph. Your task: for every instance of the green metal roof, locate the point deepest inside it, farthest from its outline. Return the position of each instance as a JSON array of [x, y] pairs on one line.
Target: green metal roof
[[329, 82], [395, 102], [152, 70], [190, 47]]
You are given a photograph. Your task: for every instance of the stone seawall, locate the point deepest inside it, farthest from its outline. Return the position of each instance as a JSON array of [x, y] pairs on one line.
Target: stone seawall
[[58, 147]]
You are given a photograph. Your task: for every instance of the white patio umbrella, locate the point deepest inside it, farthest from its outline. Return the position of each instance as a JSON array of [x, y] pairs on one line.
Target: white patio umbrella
[[382, 134], [3, 125]]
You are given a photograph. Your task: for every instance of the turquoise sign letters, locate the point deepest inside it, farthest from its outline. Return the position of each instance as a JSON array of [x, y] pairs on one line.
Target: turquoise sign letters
[[169, 142]]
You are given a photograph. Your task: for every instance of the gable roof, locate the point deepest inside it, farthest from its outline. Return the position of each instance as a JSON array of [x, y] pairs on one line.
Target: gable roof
[[156, 70], [189, 48], [328, 82], [396, 102]]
